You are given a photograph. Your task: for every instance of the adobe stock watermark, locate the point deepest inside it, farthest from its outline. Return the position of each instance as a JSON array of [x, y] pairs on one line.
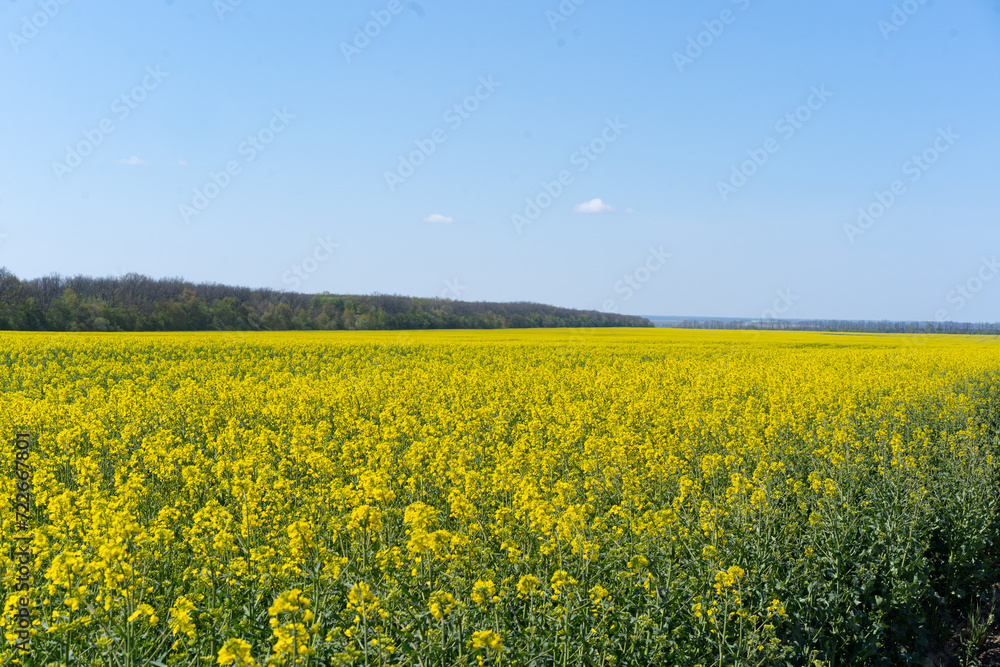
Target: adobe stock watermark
[[249, 150], [22, 505], [901, 14], [223, 7], [787, 125], [781, 305], [301, 271], [915, 168], [581, 158], [714, 28], [363, 35], [562, 13], [454, 116], [630, 283], [967, 291], [122, 107], [31, 25], [633, 281], [453, 289]]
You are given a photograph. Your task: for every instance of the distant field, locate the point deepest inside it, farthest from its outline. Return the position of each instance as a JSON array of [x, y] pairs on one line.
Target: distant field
[[529, 497]]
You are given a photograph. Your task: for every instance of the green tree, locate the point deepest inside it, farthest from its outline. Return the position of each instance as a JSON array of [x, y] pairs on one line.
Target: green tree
[[63, 314]]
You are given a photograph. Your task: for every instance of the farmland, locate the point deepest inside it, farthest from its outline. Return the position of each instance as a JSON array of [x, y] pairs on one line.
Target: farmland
[[542, 497]]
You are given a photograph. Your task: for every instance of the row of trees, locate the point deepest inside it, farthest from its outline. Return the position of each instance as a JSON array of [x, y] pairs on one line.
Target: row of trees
[[846, 326], [139, 303]]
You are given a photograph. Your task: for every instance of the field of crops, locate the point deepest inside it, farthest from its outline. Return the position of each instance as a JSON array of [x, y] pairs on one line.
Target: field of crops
[[547, 497]]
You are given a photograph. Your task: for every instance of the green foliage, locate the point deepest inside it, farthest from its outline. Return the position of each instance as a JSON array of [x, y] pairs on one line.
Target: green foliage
[[138, 303]]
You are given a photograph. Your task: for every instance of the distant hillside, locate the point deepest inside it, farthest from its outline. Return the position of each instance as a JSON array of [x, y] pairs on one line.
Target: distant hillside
[[139, 303], [840, 326]]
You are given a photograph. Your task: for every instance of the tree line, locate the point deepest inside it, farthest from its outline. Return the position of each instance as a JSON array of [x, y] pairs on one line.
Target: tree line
[[844, 326], [135, 302]]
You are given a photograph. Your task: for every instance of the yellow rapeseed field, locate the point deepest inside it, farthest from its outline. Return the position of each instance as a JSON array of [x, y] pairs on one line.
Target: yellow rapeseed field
[[545, 497]]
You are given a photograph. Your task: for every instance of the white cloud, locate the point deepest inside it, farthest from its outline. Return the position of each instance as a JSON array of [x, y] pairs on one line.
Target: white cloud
[[629, 210], [182, 162], [437, 217], [592, 206], [131, 160]]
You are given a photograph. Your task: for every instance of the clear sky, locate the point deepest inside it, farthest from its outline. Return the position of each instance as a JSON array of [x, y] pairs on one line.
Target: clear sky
[[682, 158]]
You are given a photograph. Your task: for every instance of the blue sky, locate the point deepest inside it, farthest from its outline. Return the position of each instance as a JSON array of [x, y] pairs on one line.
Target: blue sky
[[685, 158]]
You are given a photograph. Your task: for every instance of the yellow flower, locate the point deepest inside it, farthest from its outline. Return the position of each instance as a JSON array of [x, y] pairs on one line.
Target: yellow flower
[[483, 592], [292, 639], [487, 639], [638, 562], [361, 599], [419, 516], [289, 601], [561, 579], [441, 604], [527, 585], [366, 517], [180, 617], [235, 652], [144, 610], [598, 593]]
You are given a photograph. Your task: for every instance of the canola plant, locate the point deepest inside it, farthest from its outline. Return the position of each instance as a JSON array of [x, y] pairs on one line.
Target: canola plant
[[544, 497]]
